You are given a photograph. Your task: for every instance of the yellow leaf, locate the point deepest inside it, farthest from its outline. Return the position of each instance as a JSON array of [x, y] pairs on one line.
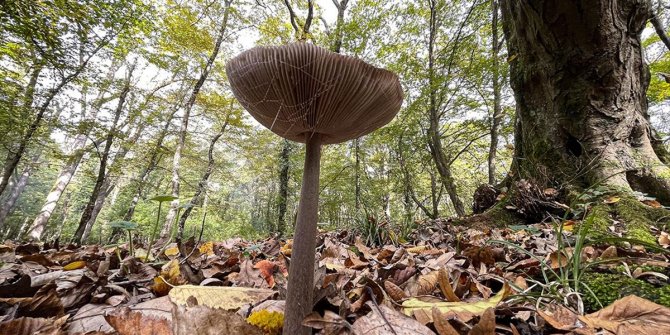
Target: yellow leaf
[[613, 199], [463, 310], [207, 249], [228, 298], [568, 225], [171, 252], [75, 265], [416, 250]]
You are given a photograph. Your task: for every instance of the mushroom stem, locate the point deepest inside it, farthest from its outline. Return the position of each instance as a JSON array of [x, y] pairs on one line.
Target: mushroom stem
[[301, 271]]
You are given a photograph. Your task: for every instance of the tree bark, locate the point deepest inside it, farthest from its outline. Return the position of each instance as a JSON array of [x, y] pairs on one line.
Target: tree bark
[[78, 150], [181, 142], [202, 185], [8, 206], [496, 118], [102, 169], [109, 185], [14, 159], [442, 162], [282, 199], [580, 84]]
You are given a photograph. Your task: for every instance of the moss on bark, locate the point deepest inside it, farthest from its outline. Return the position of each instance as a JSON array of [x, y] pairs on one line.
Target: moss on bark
[[635, 217], [495, 217], [609, 287]]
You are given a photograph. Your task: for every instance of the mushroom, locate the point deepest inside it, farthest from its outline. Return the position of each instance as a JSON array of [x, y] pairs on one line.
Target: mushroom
[[311, 95]]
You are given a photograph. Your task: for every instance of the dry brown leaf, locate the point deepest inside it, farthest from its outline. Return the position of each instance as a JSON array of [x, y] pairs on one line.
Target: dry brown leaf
[[652, 203], [426, 283], [664, 240], [394, 291], [559, 317], [445, 285], [33, 326], [249, 276], [267, 270], [128, 322], [375, 324], [442, 324], [198, 319], [331, 323], [486, 324], [228, 298], [631, 315], [609, 253], [463, 310], [170, 273]]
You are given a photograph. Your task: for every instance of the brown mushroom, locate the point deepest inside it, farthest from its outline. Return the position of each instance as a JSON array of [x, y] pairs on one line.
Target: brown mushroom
[[308, 94]]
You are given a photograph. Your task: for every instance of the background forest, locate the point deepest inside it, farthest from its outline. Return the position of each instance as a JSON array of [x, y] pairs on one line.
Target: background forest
[[107, 104]]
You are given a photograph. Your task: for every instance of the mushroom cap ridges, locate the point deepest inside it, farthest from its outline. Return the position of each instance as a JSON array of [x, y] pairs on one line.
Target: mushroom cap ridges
[[300, 89]]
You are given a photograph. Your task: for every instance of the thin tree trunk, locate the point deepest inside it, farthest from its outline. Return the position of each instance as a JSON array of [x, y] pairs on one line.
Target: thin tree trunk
[[102, 170], [357, 175], [109, 185], [181, 142], [202, 185], [282, 199], [41, 110], [660, 31], [434, 141], [8, 206], [67, 172], [496, 118]]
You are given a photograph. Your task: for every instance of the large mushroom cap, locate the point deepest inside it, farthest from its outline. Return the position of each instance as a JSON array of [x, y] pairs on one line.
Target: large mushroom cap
[[300, 89]]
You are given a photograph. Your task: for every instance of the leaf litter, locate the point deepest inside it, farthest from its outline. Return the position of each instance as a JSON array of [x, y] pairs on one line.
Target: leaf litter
[[448, 280]]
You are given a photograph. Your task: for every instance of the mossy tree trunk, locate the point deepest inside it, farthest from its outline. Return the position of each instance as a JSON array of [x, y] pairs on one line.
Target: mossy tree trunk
[[580, 83]]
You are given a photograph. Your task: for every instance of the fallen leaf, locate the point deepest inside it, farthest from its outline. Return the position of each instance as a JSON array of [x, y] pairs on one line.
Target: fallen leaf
[[445, 285], [441, 323], [652, 203], [631, 315], [463, 310], [331, 323], [664, 240], [612, 199], [383, 320], [128, 322], [41, 326], [198, 319], [486, 324], [228, 298], [559, 317], [609, 253], [267, 270], [394, 291]]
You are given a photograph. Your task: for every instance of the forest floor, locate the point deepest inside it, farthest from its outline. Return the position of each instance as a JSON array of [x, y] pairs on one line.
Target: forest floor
[[445, 279]]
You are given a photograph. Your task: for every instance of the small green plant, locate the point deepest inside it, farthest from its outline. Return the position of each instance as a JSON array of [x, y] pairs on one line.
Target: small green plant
[[161, 199], [129, 227]]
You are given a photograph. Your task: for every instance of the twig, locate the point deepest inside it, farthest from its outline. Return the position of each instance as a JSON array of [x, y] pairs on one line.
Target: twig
[[374, 301]]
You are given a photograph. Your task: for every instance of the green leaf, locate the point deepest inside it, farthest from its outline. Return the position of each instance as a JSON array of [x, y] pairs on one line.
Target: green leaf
[[163, 198], [125, 225]]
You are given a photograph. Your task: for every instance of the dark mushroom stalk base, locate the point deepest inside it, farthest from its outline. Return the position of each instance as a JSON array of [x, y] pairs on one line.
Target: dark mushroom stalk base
[[299, 298]]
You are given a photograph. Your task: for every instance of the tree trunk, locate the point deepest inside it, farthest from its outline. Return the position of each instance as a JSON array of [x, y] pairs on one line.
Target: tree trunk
[[442, 162], [579, 79], [282, 199], [77, 153], [181, 142], [8, 206], [14, 159], [202, 185], [109, 184], [102, 169], [496, 118]]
